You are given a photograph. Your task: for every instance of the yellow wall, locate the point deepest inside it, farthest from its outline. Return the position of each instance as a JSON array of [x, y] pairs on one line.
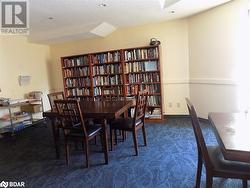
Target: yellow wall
[[217, 41], [18, 57], [174, 56], [199, 58]]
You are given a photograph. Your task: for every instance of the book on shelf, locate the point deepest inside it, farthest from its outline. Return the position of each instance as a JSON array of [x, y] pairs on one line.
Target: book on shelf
[[108, 57], [150, 66], [76, 61]]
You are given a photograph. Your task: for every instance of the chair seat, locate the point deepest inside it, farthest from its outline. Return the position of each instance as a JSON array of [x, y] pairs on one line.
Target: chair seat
[[222, 165], [124, 123], [91, 131]]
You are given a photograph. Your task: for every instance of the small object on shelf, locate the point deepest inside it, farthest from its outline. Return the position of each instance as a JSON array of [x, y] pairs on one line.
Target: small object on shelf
[[35, 95], [32, 108], [154, 41], [4, 101], [14, 128], [9, 101]]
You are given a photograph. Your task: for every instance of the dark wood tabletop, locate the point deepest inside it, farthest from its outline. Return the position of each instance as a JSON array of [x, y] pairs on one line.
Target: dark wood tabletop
[[102, 109], [233, 134]]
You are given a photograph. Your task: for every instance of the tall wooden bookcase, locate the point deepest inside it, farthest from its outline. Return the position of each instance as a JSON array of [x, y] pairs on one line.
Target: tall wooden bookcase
[[128, 70]]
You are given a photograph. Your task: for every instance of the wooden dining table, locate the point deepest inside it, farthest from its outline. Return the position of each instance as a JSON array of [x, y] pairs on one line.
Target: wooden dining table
[[232, 131], [101, 110]]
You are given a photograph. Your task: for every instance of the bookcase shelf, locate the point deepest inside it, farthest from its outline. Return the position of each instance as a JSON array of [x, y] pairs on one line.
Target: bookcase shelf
[[128, 70]]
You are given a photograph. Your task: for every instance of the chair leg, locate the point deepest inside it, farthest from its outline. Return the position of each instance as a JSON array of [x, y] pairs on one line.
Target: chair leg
[[135, 142], [244, 183], [101, 139], [124, 135], [105, 142], [116, 141], [209, 180], [199, 169], [67, 151], [111, 139], [144, 135], [86, 147], [105, 149]]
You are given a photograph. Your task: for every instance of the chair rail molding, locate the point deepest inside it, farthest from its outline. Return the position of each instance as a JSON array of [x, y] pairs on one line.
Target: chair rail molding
[[213, 81], [176, 81]]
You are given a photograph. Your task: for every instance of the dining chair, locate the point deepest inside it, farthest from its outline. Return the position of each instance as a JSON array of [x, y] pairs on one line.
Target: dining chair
[[212, 157], [52, 97], [74, 127], [133, 124], [55, 96]]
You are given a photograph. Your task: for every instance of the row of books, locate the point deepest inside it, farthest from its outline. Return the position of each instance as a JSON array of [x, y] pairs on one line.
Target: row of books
[[107, 69], [81, 71], [154, 100], [77, 61], [78, 82], [152, 88], [131, 90], [106, 57], [112, 69], [137, 54], [140, 78], [141, 66], [78, 92], [107, 80], [101, 91]]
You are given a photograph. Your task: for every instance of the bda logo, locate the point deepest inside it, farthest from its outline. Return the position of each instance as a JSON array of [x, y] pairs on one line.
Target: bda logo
[[4, 184]]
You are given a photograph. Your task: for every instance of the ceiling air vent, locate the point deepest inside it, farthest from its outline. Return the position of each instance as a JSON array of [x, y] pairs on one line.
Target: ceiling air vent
[[167, 3], [103, 30]]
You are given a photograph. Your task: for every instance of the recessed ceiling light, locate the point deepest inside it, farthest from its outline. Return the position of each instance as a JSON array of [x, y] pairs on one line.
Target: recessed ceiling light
[[172, 11], [102, 5], [50, 18]]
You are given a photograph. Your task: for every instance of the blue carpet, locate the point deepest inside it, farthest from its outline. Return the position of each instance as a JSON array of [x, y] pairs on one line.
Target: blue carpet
[[169, 160]]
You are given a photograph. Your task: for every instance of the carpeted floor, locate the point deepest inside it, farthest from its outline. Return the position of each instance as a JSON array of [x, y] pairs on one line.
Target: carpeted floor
[[168, 161]]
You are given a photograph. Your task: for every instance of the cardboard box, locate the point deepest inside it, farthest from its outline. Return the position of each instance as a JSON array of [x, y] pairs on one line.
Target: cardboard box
[[32, 108]]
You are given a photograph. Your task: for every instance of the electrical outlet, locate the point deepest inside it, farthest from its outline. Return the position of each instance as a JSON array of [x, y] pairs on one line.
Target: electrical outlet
[[169, 104]]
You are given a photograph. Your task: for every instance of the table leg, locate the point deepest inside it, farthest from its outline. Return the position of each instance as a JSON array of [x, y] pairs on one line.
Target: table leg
[[105, 140], [55, 131]]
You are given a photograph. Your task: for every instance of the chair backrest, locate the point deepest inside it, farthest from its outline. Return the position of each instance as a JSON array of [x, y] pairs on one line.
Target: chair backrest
[[141, 104], [70, 114], [110, 93], [202, 148], [54, 96]]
